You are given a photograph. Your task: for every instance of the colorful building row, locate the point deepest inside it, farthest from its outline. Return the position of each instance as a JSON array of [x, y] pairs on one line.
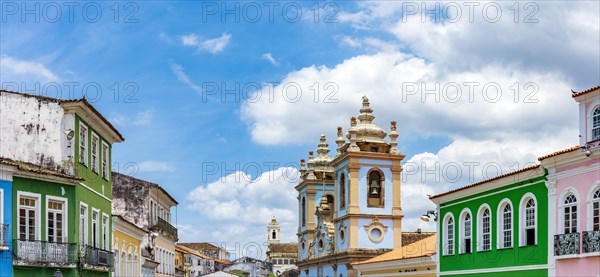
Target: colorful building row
[[62, 204], [56, 187], [543, 220]]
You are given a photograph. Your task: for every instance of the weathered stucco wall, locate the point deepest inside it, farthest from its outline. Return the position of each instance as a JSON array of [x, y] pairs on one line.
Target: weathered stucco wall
[[130, 197], [32, 130], [130, 200]]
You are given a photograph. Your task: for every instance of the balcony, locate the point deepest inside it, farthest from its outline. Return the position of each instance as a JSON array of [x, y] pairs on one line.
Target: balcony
[[4, 236], [42, 253], [97, 259], [591, 241], [566, 244], [166, 227]]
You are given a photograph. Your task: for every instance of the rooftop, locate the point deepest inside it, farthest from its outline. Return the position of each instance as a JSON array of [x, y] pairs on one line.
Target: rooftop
[[421, 248], [117, 176], [29, 167], [575, 93], [486, 181], [560, 152], [283, 248]]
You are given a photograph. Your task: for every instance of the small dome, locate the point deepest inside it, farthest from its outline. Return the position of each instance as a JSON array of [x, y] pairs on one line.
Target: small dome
[[366, 131]]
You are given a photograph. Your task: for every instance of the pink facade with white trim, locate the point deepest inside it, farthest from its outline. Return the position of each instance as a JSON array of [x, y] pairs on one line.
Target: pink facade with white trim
[[574, 198]]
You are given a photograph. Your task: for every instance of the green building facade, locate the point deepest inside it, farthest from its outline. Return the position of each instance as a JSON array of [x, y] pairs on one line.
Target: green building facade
[[496, 227], [62, 197]]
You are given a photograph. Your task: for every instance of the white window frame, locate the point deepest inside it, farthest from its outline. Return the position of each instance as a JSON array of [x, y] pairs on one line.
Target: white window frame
[[95, 161], [105, 172], [448, 246], [97, 238], [568, 191], [105, 232], [523, 218], [461, 231], [590, 121], [590, 203], [480, 245], [37, 209], [86, 228], [117, 261], [65, 213], [83, 143], [500, 224]]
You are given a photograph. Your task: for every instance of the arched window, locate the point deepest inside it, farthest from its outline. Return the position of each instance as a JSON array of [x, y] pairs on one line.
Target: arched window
[[505, 224], [136, 266], [123, 265], [331, 204], [465, 232], [129, 265], [117, 263], [484, 238], [596, 210], [448, 234], [342, 185], [273, 235], [570, 214], [596, 124], [375, 186], [303, 211], [528, 220]]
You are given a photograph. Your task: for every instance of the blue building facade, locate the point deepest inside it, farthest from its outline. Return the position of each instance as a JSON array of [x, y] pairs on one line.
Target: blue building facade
[[6, 257], [349, 205]]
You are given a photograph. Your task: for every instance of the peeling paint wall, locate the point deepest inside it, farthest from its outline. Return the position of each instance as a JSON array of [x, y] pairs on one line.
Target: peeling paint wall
[[32, 130], [130, 200]]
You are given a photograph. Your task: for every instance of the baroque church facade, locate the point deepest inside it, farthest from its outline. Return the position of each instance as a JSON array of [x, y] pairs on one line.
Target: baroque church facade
[[349, 204]]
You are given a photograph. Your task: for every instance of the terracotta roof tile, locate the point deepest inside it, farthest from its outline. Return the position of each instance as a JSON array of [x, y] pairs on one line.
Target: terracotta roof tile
[[29, 167], [485, 181], [575, 93], [410, 237], [283, 248], [200, 246], [420, 248], [570, 149], [192, 251]]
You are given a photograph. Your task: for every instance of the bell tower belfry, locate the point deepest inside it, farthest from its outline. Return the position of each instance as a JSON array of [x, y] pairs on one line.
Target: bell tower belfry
[[368, 184], [273, 231], [350, 203]]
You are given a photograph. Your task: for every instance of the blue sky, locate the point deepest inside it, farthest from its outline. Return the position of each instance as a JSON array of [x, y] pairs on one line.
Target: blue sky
[[177, 127]]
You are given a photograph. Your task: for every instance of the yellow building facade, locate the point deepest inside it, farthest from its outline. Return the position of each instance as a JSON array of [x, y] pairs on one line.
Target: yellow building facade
[[127, 239]]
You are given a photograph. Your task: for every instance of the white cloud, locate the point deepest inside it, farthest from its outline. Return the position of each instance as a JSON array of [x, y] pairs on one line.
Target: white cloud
[[269, 57], [213, 46], [470, 40], [144, 117], [16, 70], [242, 205], [155, 166], [183, 77], [388, 79]]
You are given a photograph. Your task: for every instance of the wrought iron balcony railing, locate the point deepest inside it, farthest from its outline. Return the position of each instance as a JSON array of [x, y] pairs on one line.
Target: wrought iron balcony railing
[[166, 227], [95, 257], [566, 244], [591, 241], [33, 252], [4, 236]]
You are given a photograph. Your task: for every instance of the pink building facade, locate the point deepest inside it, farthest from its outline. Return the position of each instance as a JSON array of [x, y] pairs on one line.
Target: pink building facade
[[574, 196]]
